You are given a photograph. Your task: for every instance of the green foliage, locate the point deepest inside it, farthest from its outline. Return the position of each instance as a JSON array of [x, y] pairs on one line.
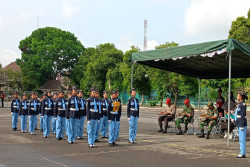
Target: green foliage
[[240, 29], [47, 53], [152, 103]]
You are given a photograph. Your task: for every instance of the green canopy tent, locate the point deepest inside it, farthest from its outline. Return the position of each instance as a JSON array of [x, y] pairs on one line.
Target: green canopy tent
[[210, 60]]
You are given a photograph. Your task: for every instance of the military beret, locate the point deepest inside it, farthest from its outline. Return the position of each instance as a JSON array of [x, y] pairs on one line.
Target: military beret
[[113, 92]]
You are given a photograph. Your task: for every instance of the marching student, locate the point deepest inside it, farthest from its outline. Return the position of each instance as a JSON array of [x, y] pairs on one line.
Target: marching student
[[33, 111], [92, 118], [67, 121], [23, 111], [40, 113], [53, 128], [60, 115], [82, 115], [73, 115], [133, 115], [99, 108], [15, 103], [39, 107], [104, 121], [114, 114], [118, 122], [47, 113]]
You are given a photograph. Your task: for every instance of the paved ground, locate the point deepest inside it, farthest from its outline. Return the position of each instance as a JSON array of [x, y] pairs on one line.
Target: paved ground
[[153, 148]]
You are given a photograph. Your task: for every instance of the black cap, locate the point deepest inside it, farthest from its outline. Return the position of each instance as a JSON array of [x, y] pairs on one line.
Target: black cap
[[219, 90], [80, 91], [54, 93], [105, 91], [24, 94], [33, 93], [113, 92], [44, 94], [133, 89], [97, 91], [61, 91], [92, 89], [15, 93]]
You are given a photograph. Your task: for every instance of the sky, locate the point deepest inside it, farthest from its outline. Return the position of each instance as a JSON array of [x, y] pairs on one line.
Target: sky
[[120, 22]]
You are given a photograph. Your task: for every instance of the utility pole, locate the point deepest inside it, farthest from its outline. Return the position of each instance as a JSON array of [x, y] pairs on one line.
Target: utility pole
[[145, 34]]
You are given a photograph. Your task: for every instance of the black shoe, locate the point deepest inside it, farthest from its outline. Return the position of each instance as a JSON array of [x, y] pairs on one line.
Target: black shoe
[[179, 132], [103, 137], [94, 146], [241, 156], [185, 130], [90, 146], [111, 144], [134, 142], [36, 129], [208, 136], [45, 136], [41, 130], [13, 129], [130, 142], [114, 144], [165, 131], [202, 135], [97, 140], [160, 130]]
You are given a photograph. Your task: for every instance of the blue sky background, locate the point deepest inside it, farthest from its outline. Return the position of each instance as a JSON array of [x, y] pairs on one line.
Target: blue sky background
[[118, 21]]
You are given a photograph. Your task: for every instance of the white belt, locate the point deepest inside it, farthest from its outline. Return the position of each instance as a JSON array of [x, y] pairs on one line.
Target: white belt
[[93, 110], [14, 106], [61, 109], [238, 116], [133, 109], [73, 109], [113, 112], [104, 109], [32, 109], [47, 108], [24, 108], [81, 108]]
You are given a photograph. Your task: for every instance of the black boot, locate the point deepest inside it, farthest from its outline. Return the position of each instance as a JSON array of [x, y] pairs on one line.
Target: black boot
[[208, 135], [160, 130], [179, 132], [202, 134], [165, 131], [186, 129]]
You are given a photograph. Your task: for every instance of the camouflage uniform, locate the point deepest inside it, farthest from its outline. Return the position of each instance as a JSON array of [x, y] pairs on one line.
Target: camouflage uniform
[[185, 119], [209, 122]]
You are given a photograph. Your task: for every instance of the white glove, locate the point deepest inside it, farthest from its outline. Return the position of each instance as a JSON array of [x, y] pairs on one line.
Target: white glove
[[109, 121], [241, 128], [88, 122], [29, 116], [42, 116], [39, 114], [129, 119], [11, 113], [55, 118]]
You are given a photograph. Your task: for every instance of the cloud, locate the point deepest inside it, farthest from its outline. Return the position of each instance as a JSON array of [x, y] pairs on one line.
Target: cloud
[[69, 9], [125, 42], [213, 17], [3, 23], [7, 56]]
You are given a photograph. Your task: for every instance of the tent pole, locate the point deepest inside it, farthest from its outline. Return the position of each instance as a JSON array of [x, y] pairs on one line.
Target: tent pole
[[132, 73], [199, 102], [229, 99]]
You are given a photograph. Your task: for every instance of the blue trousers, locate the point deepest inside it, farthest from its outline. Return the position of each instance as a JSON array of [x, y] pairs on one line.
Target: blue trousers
[[46, 124], [24, 122], [67, 127], [132, 128], [60, 126], [242, 140], [81, 126], [91, 128], [14, 119], [32, 123], [104, 126], [53, 125], [98, 129], [73, 126], [36, 121], [41, 122], [112, 131], [117, 129]]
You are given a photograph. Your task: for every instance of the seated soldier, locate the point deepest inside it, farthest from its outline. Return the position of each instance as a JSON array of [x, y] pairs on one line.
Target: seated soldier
[[210, 120], [186, 117], [166, 116]]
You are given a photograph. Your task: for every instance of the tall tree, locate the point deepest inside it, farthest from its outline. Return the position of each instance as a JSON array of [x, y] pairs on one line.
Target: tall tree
[[47, 53]]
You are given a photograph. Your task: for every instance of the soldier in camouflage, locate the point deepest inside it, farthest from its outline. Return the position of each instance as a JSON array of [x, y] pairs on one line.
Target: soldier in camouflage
[[186, 117], [210, 120]]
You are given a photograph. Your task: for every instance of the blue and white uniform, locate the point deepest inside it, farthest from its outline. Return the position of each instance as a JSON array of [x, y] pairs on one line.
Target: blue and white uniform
[[15, 104], [133, 115], [47, 112], [104, 121], [33, 111], [23, 111], [99, 108], [60, 116], [82, 110]]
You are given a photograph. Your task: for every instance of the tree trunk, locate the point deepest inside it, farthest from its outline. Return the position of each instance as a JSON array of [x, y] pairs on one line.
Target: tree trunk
[[175, 98], [161, 102], [142, 99]]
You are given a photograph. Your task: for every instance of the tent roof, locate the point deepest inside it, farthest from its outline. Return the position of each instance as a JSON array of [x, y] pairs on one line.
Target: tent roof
[[207, 60], [52, 85]]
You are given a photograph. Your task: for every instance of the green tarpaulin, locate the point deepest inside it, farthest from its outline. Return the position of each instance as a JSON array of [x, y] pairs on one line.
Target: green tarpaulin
[[204, 60]]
